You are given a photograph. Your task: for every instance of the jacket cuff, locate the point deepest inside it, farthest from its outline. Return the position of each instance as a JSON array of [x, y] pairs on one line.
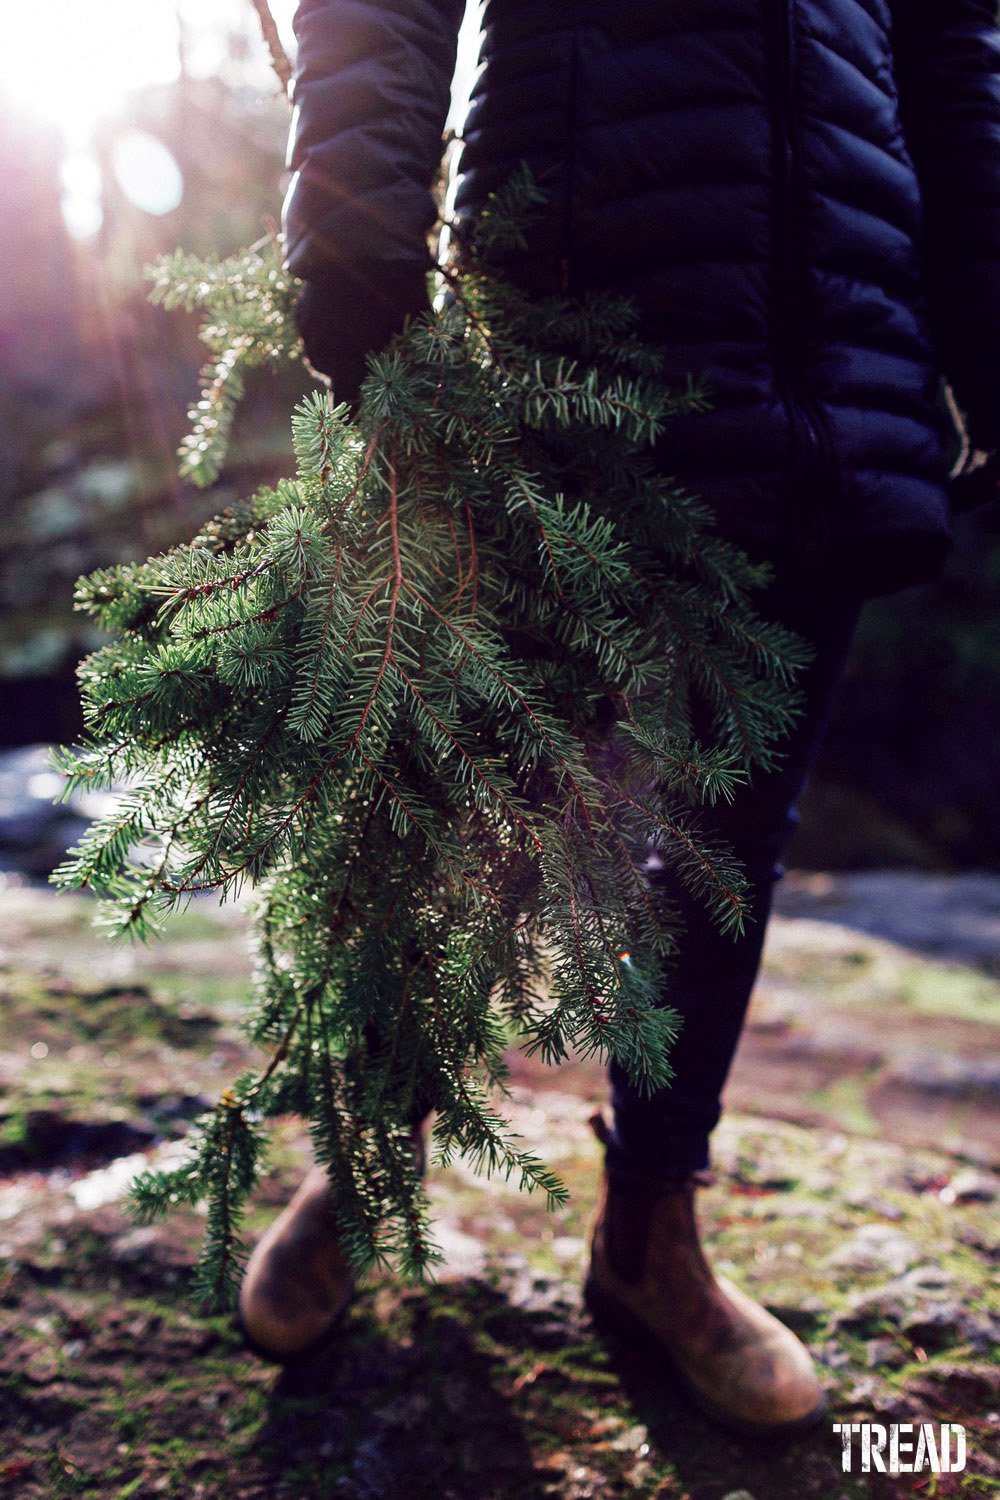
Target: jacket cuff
[[352, 312]]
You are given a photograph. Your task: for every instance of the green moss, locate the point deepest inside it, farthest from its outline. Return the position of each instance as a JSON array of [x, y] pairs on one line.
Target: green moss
[[949, 990], [14, 1130], [131, 1488], [878, 974], [844, 1100], [184, 1406]]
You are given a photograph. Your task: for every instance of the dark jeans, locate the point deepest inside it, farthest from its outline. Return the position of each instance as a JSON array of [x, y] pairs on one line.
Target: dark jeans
[[710, 980]]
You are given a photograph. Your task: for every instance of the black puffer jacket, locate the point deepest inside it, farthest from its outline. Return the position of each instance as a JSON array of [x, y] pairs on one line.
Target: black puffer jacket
[[802, 195]]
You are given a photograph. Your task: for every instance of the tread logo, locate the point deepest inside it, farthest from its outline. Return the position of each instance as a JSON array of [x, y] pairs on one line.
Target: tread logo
[[904, 1447]]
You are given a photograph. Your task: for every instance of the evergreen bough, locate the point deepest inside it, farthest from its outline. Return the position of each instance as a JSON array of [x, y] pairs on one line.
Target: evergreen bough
[[432, 700]]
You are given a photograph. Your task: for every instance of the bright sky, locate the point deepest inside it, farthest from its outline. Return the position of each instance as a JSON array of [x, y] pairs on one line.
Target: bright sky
[[72, 63]]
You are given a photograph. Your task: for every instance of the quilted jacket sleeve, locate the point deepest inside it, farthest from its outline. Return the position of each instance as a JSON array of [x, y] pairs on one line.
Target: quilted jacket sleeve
[[371, 92], [948, 75]]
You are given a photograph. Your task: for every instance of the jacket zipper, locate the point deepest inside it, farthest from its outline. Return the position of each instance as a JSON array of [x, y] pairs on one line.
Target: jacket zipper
[[812, 452]]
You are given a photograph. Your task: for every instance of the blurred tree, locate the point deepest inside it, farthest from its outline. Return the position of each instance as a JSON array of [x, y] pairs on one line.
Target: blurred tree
[[40, 301], [907, 774], [95, 379]]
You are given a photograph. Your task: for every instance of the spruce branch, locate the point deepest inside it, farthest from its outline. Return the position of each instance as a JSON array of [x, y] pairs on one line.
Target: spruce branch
[[432, 697], [280, 60]]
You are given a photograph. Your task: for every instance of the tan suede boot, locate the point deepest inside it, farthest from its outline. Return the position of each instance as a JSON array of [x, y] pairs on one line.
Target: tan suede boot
[[649, 1281], [297, 1282]]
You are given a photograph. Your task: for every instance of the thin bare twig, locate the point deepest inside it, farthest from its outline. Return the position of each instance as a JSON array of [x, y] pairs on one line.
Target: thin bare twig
[[280, 61]]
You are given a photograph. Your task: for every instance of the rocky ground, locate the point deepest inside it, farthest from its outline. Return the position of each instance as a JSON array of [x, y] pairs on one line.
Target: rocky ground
[[856, 1197]]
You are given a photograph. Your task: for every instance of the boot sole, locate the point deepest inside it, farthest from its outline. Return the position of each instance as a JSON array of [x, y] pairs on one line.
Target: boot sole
[[611, 1316]]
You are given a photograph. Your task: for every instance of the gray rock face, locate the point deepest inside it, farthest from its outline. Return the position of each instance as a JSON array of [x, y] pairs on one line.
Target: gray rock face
[[922, 1305], [946, 916], [971, 1187], [876, 1247], [35, 830]]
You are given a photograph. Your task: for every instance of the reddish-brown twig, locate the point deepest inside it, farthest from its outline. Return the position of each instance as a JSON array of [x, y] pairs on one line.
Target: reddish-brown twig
[[280, 61]]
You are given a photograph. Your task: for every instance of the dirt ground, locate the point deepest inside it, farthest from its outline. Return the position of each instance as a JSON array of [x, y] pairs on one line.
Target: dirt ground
[[856, 1197]]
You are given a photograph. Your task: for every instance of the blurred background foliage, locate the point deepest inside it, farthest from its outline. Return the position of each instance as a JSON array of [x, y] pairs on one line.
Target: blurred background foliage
[[175, 136], [96, 382]]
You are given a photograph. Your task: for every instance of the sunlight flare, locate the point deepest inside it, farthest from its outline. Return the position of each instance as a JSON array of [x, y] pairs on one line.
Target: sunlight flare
[[74, 64]]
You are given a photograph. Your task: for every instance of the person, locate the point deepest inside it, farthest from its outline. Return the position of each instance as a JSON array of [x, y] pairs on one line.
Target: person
[[803, 199]]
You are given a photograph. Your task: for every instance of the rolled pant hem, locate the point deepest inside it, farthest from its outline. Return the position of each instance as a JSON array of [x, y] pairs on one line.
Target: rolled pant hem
[[684, 1157]]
